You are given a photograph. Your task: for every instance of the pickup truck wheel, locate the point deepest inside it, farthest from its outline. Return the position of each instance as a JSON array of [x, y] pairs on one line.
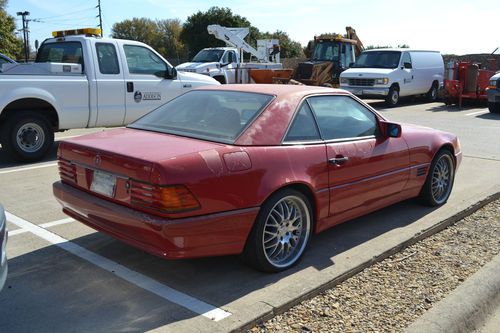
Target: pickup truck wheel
[[392, 98], [27, 136], [494, 107]]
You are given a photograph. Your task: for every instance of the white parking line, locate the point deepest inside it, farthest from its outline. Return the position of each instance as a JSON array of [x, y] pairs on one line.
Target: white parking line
[[477, 112], [43, 225], [126, 274], [11, 170]]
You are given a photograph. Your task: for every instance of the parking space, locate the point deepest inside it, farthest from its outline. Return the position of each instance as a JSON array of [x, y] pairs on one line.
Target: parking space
[[64, 276]]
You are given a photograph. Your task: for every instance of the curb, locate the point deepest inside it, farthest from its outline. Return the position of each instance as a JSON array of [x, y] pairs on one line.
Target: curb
[[355, 270], [466, 307]]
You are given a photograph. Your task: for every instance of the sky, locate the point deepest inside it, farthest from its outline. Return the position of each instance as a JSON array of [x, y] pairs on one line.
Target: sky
[[449, 26]]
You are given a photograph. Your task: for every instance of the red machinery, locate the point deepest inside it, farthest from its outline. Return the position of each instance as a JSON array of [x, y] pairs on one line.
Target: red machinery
[[467, 80]]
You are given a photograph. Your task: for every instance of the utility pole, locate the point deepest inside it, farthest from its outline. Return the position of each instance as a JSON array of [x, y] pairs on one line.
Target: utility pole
[[25, 34], [100, 15]]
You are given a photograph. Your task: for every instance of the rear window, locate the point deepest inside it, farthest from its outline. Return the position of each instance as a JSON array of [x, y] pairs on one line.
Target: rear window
[[66, 52], [210, 115]]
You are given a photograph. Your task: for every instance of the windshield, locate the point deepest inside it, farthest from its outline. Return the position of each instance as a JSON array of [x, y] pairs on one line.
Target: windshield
[[208, 56], [378, 59], [327, 51], [211, 115]]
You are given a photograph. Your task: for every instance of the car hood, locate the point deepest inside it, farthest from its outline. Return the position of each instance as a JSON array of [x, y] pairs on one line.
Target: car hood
[[197, 65], [366, 72], [196, 78]]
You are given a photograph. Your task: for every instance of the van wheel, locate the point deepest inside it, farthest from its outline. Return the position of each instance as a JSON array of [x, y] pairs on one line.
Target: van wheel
[[392, 98], [27, 136], [432, 94], [494, 107]]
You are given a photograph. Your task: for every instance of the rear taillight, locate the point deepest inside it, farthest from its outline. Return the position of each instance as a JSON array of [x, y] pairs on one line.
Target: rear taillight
[[166, 199], [67, 170]]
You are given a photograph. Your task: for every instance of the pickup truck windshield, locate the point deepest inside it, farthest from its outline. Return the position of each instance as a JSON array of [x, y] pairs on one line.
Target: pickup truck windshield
[[326, 51], [66, 52], [218, 116], [378, 59], [208, 56]]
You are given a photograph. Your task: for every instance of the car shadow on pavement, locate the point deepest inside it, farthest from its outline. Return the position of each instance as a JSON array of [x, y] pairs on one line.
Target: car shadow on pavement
[[380, 105], [71, 294], [7, 162], [495, 116]]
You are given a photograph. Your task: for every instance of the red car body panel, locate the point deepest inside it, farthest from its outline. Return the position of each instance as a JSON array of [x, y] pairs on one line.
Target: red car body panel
[[231, 182]]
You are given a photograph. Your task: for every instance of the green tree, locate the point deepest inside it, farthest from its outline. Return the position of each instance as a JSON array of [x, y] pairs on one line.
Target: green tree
[[10, 44], [196, 37], [288, 47], [162, 35]]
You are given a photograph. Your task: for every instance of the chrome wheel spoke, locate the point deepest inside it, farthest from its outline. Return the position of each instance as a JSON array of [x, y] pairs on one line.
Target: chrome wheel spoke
[[286, 231]]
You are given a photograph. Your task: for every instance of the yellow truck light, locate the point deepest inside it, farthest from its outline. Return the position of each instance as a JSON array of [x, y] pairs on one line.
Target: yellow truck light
[[83, 31]]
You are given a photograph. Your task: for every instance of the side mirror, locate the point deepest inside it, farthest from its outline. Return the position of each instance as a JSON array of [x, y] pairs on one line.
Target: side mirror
[[407, 65], [351, 64], [390, 130], [171, 73]]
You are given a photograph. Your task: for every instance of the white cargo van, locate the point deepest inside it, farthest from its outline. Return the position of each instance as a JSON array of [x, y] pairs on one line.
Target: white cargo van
[[391, 73]]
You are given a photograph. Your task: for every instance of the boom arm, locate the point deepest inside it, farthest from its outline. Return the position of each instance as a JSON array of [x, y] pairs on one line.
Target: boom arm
[[351, 34], [235, 37]]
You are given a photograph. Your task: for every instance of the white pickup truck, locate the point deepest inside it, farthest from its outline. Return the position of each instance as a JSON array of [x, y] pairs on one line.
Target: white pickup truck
[[80, 81]]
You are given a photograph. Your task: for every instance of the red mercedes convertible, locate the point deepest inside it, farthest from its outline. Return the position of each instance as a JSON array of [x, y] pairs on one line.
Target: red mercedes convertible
[[249, 169]]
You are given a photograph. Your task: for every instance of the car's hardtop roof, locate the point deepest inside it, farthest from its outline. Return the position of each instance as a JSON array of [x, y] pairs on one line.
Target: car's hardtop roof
[[276, 89]]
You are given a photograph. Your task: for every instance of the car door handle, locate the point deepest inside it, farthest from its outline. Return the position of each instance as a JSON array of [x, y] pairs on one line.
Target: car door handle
[[339, 160], [130, 86]]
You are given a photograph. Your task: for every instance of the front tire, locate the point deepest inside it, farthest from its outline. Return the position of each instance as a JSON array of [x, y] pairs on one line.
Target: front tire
[[392, 98], [494, 107], [439, 182], [27, 136], [281, 232]]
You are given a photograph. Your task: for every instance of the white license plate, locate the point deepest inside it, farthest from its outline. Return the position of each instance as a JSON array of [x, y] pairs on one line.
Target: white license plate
[[103, 183]]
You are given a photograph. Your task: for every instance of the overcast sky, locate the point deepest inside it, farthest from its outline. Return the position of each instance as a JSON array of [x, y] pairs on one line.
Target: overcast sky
[[450, 26]]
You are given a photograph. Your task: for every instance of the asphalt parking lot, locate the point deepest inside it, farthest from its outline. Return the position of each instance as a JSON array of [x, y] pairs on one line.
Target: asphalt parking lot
[[64, 276]]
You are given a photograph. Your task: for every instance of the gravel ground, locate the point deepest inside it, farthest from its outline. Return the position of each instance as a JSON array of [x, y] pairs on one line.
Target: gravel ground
[[390, 295]]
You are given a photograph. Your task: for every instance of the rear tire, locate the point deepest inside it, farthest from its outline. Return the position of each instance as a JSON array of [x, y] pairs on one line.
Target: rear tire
[[432, 94], [494, 107], [26, 136], [440, 178], [392, 98], [281, 232]]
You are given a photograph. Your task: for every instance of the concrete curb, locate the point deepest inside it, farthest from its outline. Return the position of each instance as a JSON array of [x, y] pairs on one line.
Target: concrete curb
[[465, 308], [276, 310]]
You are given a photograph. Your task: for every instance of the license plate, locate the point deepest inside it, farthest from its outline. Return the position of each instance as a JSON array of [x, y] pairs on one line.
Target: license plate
[[103, 183]]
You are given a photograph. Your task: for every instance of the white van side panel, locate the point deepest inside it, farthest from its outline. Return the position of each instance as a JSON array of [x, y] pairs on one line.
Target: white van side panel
[[427, 68]]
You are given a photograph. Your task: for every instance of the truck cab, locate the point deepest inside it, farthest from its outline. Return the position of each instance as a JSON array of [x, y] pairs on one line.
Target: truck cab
[[82, 80], [219, 63]]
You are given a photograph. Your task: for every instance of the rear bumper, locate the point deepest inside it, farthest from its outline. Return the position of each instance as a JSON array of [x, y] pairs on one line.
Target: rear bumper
[[208, 235], [376, 92]]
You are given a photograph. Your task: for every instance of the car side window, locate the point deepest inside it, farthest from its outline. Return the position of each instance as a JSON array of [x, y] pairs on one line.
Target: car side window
[[406, 58], [107, 58], [141, 60], [341, 117], [303, 126]]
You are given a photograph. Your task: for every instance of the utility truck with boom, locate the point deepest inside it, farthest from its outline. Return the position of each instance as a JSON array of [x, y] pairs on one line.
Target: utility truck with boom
[[226, 65], [82, 80]]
